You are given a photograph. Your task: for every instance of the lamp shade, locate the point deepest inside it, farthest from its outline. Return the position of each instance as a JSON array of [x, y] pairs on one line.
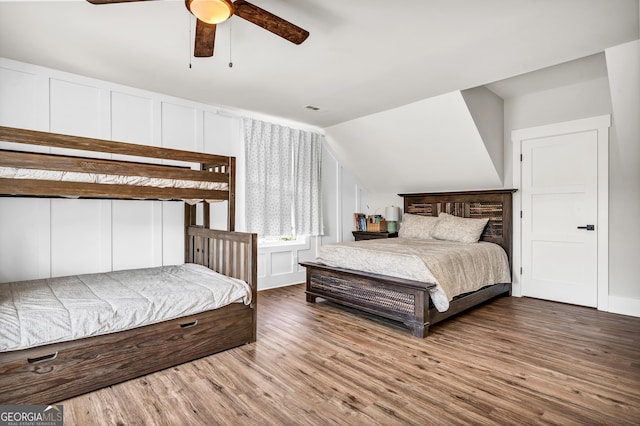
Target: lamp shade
[[210, 11], [392, 213]]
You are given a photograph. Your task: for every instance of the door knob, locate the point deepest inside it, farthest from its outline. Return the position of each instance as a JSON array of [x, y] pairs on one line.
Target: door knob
[[588, 227]]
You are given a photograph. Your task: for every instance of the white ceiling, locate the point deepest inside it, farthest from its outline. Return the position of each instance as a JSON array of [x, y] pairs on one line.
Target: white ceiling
[[362, 57], [565, 74]]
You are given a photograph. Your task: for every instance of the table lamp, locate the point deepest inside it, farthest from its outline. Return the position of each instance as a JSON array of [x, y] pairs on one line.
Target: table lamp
[[392, 216]]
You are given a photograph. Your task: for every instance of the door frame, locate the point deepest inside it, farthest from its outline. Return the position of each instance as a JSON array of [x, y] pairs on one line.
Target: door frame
[[601, 124]]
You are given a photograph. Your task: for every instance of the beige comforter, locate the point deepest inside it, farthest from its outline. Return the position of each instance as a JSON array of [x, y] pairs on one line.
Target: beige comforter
[[455, 268]]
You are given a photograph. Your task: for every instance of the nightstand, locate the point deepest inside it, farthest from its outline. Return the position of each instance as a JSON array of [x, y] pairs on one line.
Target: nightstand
[[363, 235]]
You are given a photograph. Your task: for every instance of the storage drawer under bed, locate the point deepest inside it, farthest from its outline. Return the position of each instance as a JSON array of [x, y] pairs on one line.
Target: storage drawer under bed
[[52, 373]]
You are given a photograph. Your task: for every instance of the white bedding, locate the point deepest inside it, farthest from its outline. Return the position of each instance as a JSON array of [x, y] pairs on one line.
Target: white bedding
[[455, 268], [43, 311]]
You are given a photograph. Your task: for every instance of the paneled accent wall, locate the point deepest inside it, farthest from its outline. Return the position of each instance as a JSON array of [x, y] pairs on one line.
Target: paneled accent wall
[[278, 263], [40, 238]]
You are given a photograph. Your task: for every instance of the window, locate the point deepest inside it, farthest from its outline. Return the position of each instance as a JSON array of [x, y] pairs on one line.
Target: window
[[283, 168]]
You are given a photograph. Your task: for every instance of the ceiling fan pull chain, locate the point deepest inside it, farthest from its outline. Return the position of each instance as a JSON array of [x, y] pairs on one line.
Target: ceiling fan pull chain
[[189, 40], [230, 55]]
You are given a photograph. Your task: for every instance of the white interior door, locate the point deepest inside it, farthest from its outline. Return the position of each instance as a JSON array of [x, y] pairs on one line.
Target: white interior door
[[560, 217]]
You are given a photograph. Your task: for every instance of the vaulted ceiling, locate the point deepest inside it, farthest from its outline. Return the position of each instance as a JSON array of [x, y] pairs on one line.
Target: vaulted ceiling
[[362, 57], [429, 145]]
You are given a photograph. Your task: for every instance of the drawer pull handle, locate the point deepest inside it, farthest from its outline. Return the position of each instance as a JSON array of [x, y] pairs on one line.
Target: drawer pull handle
[[43, 358], [189, 324]]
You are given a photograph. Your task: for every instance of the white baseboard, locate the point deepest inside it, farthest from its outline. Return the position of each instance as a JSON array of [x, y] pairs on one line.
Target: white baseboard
[[624, 306], [269, 287]]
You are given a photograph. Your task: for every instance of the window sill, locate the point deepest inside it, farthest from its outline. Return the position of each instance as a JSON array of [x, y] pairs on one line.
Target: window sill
[[298, 243]]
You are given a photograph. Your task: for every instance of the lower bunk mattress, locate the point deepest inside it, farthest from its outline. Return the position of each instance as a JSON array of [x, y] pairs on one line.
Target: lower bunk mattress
[[45, 311]]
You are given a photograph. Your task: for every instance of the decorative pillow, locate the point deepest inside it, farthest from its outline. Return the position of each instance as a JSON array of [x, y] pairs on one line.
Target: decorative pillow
[[460, 229], [416, 226]]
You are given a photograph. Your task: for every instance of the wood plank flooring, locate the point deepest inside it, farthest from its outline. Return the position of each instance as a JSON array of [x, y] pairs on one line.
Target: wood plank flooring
[[510, 361]]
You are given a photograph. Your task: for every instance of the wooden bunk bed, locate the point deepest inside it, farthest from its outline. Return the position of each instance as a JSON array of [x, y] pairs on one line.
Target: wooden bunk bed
[[408, 301], [58, 371]]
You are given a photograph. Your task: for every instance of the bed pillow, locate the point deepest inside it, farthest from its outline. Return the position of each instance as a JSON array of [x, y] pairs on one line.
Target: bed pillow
[[459, 229], [416, 226]]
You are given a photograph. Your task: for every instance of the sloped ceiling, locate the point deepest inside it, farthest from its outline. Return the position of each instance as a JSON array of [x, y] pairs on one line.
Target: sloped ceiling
[[458, 138], [396, 83], [429, 145], [362, 57]]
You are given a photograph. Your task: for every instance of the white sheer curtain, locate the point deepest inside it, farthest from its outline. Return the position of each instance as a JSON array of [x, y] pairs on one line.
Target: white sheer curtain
[[283, 180], [269, 192], [307, 192]]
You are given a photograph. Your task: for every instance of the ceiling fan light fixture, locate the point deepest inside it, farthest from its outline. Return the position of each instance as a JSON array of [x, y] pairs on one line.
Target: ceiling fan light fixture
[[210, 11]]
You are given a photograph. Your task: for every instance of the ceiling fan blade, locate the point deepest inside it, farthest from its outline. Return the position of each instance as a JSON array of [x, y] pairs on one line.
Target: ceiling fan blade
[[205, 39], [270, 22], [112, 1]]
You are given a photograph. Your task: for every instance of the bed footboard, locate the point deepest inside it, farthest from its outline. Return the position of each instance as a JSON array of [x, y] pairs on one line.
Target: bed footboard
[[397, 299], [389, 297], [230, 253]]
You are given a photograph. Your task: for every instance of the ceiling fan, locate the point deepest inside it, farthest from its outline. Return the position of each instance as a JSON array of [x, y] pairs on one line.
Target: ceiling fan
[[212, 12]]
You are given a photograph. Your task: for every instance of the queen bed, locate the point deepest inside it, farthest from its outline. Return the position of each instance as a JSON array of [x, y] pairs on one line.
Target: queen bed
[[453, 252], [64, 336]]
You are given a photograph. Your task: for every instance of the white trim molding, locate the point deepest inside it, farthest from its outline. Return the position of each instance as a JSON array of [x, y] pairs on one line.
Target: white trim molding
[[624, 306]]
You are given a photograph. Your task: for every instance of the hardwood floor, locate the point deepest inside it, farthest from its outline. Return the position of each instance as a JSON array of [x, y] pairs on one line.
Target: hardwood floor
[[510, 361]]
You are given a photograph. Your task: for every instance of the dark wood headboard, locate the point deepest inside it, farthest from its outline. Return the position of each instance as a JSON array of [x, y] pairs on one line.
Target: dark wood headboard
[[494, 204]]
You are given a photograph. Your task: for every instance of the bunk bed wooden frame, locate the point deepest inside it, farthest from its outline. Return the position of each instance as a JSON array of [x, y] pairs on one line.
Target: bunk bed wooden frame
[[408, 301], [55, 372]]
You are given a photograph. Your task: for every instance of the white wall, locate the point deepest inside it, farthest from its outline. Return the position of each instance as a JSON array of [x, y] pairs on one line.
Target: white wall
[[623, 67], [448, 142], [34, 241], [487, 110], [572, 102], [331, 201], [41, 238], [343, 195], [429, 145], [589, 99]]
